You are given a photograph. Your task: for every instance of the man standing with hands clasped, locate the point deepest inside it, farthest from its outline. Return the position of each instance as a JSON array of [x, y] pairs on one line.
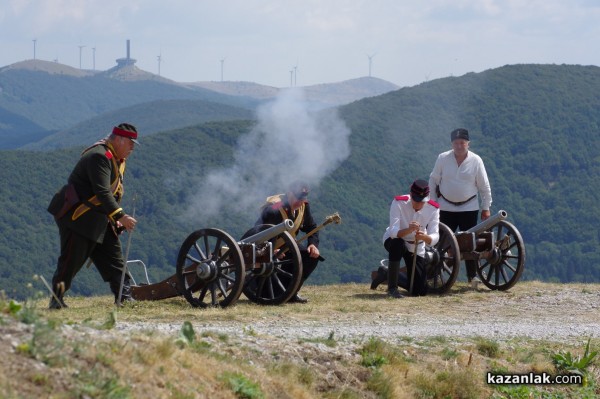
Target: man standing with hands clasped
[[457, 179]]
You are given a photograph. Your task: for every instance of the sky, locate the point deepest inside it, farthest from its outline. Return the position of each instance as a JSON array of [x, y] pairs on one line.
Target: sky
[[285, 43]]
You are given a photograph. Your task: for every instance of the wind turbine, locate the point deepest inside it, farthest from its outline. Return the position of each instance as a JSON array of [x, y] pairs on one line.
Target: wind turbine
[[295, 75], [94, 57], [80, 48], [34, 41], [371, 61], [222, 62], [159, 59]]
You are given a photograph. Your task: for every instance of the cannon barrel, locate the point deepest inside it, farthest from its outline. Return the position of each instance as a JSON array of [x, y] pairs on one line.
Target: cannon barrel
[[269, 233], [488, 223]]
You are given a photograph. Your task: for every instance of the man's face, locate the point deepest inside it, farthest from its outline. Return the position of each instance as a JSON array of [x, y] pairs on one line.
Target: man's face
[[417, 206], [295, 203], [123, 147], [460, 146]]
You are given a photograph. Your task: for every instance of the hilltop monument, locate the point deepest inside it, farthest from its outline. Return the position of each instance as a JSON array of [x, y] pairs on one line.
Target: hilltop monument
[[121, 62]]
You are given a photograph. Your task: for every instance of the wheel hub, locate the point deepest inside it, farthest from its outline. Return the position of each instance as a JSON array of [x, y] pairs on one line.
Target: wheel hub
[[207, 271], [265, 269], [432, 257], [495, 256]]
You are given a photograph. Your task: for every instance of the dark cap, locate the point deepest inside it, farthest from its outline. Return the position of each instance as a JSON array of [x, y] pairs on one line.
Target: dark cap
[[459, 134], [126, 130], [299, 189], [419, 191]]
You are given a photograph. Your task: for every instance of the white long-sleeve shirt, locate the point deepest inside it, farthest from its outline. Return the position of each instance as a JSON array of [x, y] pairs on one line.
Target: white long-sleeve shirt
[[459, 183], [402, 213]]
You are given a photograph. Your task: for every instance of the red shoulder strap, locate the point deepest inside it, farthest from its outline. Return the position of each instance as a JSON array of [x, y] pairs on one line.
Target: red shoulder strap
[[277, 205], [402, 198], [433, 203]]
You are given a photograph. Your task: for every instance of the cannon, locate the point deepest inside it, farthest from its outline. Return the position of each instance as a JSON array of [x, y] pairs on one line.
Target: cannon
[[494, 243], [213, 269]]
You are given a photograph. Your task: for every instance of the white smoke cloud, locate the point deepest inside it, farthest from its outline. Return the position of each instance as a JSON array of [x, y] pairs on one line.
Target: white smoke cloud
[[288, 143]]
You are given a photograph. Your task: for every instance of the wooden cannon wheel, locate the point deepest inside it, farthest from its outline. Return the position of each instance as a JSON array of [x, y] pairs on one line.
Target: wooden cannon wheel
[[507, 261], [210, 269], [274, 283], [443, 271]]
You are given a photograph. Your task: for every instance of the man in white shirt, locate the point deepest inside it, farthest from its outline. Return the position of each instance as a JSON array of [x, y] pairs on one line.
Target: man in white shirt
[[414, 222], [457, 179]]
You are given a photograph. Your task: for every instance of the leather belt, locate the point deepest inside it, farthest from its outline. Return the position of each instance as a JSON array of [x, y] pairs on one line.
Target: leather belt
[[458, 203]]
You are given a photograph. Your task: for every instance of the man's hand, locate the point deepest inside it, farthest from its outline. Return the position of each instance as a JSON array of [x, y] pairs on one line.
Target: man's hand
[[485, 215], [128, 222], [313, 251], [421, 235], [414, 226]]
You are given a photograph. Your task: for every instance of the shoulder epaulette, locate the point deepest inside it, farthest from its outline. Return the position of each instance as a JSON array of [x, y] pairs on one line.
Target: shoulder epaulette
[[401, 197], [277, 205], [433, 203], [108, 154]]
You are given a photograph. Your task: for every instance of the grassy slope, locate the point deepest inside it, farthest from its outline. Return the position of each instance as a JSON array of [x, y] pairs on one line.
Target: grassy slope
[[92, 357]]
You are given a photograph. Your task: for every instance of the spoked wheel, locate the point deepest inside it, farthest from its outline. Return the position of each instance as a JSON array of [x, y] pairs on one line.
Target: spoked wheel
[[443, 270], [210, 269], [507, 261], [274, 283]]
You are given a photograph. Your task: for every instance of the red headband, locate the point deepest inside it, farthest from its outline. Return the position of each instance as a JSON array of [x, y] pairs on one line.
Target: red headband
[[125, 133]]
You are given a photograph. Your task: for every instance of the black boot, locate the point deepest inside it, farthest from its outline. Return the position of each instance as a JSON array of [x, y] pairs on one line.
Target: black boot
[[54, 304], [126, 294], [297, 299], [59, 292], [115, 284], [393, 271], [308, 266], [380, 278], [472, 273]]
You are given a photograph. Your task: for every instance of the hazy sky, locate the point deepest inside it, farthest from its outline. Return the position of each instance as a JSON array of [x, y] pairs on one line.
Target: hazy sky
[[323, 41]]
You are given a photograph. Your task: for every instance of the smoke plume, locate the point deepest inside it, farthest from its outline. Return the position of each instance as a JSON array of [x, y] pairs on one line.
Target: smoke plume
[[288, 143]]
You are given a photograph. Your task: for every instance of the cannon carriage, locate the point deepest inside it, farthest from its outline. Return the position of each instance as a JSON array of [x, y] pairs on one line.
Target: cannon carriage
[[495, 244], [213, 269]]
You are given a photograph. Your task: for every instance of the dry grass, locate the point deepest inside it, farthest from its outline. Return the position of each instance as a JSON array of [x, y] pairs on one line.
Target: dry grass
[[334, 302], [111, 363]]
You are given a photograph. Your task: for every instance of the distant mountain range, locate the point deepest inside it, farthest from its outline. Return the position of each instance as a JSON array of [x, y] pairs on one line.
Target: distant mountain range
[[46, 105], [320, 96]]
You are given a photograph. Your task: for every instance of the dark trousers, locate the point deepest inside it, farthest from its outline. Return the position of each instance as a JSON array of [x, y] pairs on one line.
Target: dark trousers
[[308, 266], [397, 251], [462, 221], [76, 249]]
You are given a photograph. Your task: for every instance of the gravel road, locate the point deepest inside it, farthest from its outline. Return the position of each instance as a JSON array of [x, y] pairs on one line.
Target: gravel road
[[561, 314]]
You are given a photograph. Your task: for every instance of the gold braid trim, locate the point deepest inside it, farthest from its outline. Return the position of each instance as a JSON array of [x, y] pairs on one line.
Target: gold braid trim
[[116, 187]]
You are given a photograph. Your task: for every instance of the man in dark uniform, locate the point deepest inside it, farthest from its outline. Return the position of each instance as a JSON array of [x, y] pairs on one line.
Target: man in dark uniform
[[89, 216], [294, 205]]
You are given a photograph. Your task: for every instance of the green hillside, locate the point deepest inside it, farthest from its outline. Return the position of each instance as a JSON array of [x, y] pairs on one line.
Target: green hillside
[[149, 118], [55, 102], [535, 126]]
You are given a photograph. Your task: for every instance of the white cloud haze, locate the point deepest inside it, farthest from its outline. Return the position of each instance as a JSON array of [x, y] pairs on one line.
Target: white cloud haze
[[288, 143]]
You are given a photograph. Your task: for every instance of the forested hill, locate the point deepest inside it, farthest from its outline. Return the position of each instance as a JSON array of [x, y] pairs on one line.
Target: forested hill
[[535, 126]]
